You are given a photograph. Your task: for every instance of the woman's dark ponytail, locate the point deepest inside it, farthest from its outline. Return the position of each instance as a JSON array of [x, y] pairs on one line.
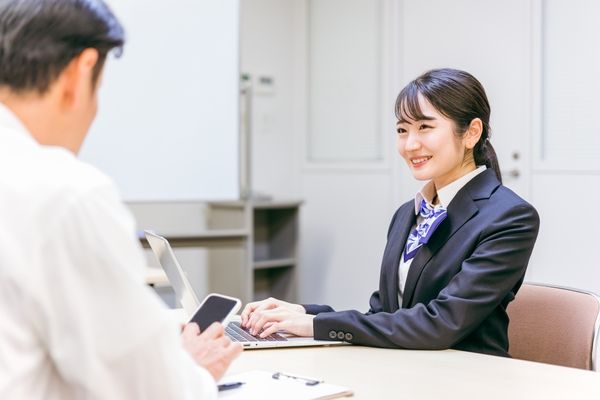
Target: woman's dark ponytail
[[459, 96], [484, 154]]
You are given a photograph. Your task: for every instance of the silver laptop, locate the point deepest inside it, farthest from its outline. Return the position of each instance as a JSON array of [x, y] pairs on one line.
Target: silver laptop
[[185, 295]]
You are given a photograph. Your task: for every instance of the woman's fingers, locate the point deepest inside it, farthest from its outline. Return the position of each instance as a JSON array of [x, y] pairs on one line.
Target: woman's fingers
[[260, 318], [251, 308], [270, 328], [257, 318], [296, 324]]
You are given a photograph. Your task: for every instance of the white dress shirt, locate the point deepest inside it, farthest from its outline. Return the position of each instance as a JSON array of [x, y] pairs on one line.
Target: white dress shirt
[[76, 319], [444, 197]]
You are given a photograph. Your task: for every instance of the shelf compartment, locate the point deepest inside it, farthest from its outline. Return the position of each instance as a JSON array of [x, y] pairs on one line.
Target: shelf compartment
[[274, 282], [275, 233]]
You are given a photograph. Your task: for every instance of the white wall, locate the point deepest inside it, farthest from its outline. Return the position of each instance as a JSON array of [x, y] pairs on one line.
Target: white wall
[[348, 206], [566, 170], [267, 49], [565, 250], [462, 34], [349, 194]]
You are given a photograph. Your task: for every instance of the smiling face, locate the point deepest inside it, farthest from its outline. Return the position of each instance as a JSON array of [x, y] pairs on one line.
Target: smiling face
[[432, 148]]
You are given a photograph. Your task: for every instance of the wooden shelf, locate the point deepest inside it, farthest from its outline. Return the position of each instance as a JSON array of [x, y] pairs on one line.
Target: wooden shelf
[[217, 237], [276, 263], [271, 248], [249, 247]]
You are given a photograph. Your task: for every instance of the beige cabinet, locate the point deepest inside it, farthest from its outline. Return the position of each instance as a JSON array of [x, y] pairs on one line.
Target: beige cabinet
[[239, 248], [269, 261]]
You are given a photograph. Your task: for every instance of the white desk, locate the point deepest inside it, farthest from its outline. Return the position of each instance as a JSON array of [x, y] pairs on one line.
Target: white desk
[[415, 375]]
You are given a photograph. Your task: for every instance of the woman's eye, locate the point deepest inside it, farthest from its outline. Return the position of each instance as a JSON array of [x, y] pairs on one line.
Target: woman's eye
[[401, 131], [424, 126]]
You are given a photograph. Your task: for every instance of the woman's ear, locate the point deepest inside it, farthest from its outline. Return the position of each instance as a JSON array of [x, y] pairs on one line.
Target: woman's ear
[[473, 133]]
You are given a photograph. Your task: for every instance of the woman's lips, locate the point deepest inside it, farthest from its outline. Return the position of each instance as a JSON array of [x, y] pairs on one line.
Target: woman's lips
[[419, 161]]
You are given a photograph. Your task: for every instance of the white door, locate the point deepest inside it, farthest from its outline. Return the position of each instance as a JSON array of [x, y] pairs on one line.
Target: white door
[[489, 39], [539, 62], [566, 152]]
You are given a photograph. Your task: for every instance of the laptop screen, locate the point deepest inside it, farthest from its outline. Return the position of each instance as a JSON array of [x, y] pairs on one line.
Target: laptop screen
[[184, 293]]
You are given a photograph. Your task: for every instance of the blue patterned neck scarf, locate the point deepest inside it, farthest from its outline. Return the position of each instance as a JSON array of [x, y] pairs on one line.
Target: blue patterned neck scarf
[[433, 216]]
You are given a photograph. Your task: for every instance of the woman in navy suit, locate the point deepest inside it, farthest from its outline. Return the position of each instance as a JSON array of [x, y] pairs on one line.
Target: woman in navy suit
[[456, 255]]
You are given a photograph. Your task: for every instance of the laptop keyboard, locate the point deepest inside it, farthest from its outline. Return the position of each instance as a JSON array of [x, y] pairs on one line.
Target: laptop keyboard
[[238, 334]]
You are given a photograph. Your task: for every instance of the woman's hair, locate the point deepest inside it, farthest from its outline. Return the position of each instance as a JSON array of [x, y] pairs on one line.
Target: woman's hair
[[458, 96]]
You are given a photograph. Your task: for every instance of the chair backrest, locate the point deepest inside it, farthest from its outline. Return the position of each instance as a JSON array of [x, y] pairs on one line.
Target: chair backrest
[[554, 325]]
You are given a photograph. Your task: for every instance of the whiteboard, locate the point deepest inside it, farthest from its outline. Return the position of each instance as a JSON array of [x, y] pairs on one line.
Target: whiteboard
[[168, 116]]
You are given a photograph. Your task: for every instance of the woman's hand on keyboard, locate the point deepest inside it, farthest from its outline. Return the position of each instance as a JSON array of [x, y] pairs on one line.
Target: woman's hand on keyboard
[[268, 316]]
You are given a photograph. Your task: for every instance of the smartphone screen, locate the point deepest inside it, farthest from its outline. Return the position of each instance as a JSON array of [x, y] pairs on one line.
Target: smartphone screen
[[213, 309]]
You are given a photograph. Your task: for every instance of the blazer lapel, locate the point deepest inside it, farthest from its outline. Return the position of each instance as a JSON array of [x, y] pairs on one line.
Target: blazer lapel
[[405, 221], [461, 209]]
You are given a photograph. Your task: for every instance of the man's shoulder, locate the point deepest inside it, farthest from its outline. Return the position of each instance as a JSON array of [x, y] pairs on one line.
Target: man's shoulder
[[61, 173], [48, 183]]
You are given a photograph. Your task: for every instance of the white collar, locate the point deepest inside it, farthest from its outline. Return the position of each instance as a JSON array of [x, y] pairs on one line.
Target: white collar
[[9, 120], [447, 193]]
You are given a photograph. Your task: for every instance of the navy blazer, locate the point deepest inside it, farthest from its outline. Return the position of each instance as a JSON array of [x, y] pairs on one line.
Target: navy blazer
[[458, 285]]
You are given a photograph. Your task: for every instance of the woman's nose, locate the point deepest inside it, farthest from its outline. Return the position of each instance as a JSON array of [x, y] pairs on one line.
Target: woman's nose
[[412, 143]]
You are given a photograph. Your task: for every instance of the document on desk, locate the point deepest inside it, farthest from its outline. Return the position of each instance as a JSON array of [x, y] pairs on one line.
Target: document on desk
[[266, 385]]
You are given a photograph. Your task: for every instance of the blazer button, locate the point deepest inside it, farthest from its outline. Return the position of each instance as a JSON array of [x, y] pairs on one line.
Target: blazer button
[[348, 337], [332, 334], [340, 335]]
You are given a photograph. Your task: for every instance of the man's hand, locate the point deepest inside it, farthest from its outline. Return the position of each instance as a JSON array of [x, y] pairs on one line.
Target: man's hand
[[211, 349]]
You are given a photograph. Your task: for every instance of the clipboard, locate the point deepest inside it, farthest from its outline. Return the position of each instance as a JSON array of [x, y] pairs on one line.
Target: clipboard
[[267, 385]]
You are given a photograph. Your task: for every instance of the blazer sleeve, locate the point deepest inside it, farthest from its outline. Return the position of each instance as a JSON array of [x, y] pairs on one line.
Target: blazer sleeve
[[493, 269], [315, 309]]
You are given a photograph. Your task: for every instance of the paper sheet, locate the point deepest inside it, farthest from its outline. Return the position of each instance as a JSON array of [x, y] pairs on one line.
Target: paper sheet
[[261, 385]]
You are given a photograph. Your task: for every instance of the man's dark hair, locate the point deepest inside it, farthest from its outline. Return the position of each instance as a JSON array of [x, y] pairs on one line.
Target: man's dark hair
[[39, 38]]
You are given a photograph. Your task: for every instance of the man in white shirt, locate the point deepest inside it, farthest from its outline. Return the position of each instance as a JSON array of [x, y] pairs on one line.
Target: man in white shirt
[[76, 319]]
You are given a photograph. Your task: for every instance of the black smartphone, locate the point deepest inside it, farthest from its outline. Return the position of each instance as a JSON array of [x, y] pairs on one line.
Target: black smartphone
[[215, 308]]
